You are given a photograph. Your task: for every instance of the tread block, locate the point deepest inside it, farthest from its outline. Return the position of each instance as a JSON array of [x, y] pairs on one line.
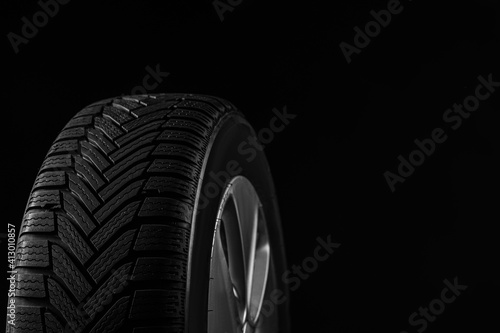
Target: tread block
[[138, 132], [114, 253], [118, 221], [42, 198], [198, 116], [174, 166], [79, 122], [32, 253], [55, 162], [118, 182], [70, 236], [214, 103], [69, 146], [30, 285], [130, 147], [52, 324], [98, 139], [109, 207], [78, 187], [157, 303], [158, 206], [107, 127], [171, 149], [135, 98], [105, 293], [127, 161], [38, 221], [184, 137], [28, 320], [69, 273], [88, 173], [114, 318], [153, 108], [187, 125], [50, 178], [125, 104], [71, 133], [148, 100], [62, 302], [93, 155], [172, 184], [210, 105], [153, 237], [144, 120], [77, 213], [118, 115], [170, 269]]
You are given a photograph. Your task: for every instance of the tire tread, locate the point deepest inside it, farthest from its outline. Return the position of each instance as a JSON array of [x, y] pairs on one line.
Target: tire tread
[[104, 241]]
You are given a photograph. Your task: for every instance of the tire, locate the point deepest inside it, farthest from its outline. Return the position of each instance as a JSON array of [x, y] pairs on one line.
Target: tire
[[118, 231]]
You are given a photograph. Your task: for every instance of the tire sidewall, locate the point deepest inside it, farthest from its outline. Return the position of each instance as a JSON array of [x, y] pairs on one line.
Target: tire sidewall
[[225, 160]]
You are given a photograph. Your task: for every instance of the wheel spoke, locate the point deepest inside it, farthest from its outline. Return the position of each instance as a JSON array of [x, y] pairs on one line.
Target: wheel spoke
[[231, 241], [260, 276], [241, 259], [255, 245]]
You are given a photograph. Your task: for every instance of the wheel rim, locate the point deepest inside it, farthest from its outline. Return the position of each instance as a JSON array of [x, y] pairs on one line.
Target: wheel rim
[[240, 265]]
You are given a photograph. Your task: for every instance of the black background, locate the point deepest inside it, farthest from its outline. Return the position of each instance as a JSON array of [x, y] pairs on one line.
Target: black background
[[353, 120]]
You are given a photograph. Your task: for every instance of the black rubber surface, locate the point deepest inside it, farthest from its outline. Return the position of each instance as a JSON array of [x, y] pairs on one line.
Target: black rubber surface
[[104, 242]]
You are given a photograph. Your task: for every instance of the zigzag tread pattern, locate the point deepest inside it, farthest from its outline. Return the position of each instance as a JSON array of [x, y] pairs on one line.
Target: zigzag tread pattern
[[62, 302], [86, 171], [56, 162], [38, 221], [75, 210], [70, 236], [121, 219], [113, 320], [50, 179], [111, 255], [28, 320], [32, 253], [30, 285], [44, 198], [96, 137], [131, 174], [127, 193], [105, 293], [77, 186], [69, 273], [52, 325], [110, 210]]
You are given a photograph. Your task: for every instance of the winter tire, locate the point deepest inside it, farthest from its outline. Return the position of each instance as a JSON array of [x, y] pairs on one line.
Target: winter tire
[[146, 216]]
